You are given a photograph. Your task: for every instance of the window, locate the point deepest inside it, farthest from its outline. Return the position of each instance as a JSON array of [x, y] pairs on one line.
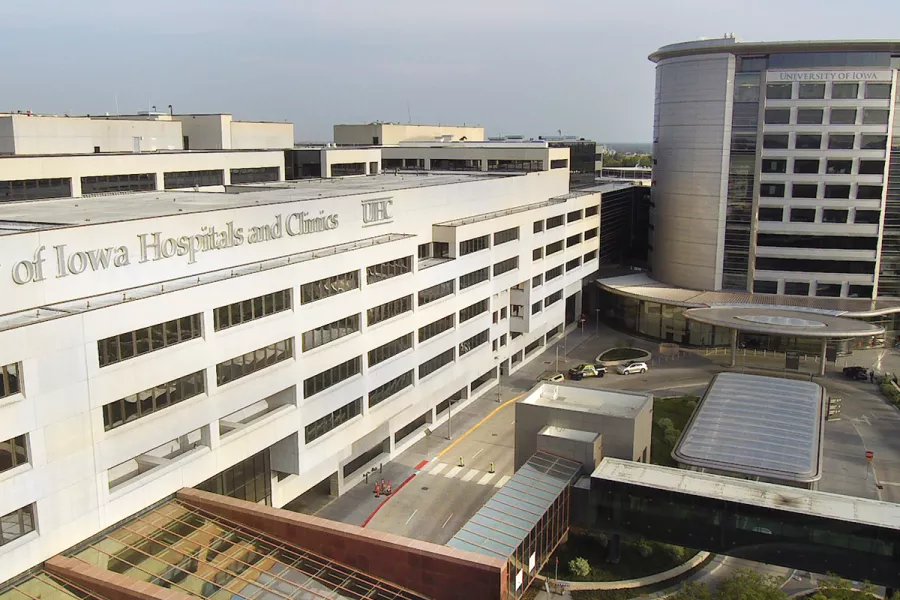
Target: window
[[188, 179], [806, 165], [804, 190], [503, 339], [834, 215], [517, 310], [828, 290], [254, 175], [333, 376], [859, 267], [808, 141], [573, 216], [554, 248], [433, 364], [842, 116], [590, 234], [573, 264], [796, 288], [390, 350], [408, 429], [241, 366], [505, 266], [474, 245], [818, 242], [774, 165], [332, 421], [555, 221], [348, 169], [878, 91], [507, 235], [864, 192], [860, 291], [590, 255], [388, 270], [250, 310], [9, 380], [837, 191], [392, 387], [473, 310], [810, 116], [330, 332], [149, 401], [765, 287], [771, 213], [470, 279], [536, 307], [436, 292], [433, 250], [553, 298], [13, 452], [553, 273], [538, 226], [573, 240], [803, 215], [844, 91], [473, 342], [537, 254], [495, 317], [840, 141], [389, 310], [873, 142], [432, 329], [875, 116], [330, 286], [105, 184], [515, 165], [871, 167], [779, 91], [35, 189], [839, 166], [771, 190], [148, 339], [775, 141], [868, 217], [17, 523], [537, 280], [778, 116], [559, 163], [812, 91], [590, 211], [503, 311]]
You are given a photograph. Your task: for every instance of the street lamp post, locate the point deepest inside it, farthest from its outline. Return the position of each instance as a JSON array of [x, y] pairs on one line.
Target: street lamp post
[[597, 322]]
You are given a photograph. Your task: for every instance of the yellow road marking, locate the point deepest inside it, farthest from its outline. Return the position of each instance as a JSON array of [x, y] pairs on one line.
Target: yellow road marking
[[477, 425]]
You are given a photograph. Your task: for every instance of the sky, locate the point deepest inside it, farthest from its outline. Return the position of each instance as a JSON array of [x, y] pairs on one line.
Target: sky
[[528, 67]]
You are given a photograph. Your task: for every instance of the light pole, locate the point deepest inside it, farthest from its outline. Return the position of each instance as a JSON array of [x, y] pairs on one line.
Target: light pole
[[597, 310], [557, 357], [450, 419], [499, 376]]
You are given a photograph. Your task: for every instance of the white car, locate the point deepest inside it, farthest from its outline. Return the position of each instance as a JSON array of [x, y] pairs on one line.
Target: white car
[[635, 367]]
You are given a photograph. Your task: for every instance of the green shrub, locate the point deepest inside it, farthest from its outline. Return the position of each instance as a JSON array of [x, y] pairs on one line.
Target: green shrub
[[601, 539], [671, 436], [643, 548], [676, 553], [665, 423], [579, 567], [692, 404]]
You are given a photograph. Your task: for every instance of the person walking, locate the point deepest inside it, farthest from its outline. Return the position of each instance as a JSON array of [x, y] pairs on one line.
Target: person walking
[[871, 376]]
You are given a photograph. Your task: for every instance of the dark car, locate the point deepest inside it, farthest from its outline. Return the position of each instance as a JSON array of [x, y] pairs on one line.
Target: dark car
[[857, 373], [586, 370]]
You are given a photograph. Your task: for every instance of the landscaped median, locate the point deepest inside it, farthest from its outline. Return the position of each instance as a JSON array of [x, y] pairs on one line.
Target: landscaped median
[[622, 356]]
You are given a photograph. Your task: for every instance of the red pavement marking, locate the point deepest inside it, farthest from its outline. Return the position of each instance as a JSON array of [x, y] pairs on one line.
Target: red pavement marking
[[383, 502], [421, 465]]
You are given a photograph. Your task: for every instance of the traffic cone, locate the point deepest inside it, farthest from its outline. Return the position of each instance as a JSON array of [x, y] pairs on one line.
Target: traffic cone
[[461, 462], [491, 470], [377, 490], [389, 489]]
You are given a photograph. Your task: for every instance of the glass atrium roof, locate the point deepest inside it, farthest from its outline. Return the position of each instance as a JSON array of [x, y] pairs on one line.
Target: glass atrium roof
[[43, 586], [189, 550], [509, 516]]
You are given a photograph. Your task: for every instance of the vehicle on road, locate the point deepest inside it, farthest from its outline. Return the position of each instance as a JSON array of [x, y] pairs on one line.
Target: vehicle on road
[[631, 368], [586, 370], [856, 373], [552, 377]]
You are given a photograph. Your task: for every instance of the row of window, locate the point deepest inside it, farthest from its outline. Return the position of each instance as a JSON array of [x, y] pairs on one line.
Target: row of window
[[105, 184], [809, 265], [553, 273], [148, 339], [35, 189], [833, 191], [9, 380], [473, 342], [251, 362], [556, 221], [332, 331], [436, 292], [474, 245], [252, 309], [553, 248], [17, 523], [255, 175], [332, 421], [507, 235], [816, 116], [572, 240], [536, 307], [816, 91], [590, 234], [553, 298], [573, 216], [188, 179], [389, 310], [808, 215], [573, 264], [801, 288], [473, 310], [475, 277], [394, 386], [149, 401], [389, 269], [823, 242], [505, 266], [13, 452], [590, 211], [427, 332], [329, 377], [433, 364], [833, 166], [329, 286], [390, 349], [813, 141], [590, 255]]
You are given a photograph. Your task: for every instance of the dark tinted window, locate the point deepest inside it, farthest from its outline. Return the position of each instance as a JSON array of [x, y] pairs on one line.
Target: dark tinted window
[[873, 142], [778, 116], [809, 116], [859, 267], [812, 91], [871, 167], [806, 165], [771, 213], [819, 242], [860, 291], [804, 190], [869, 217], [834, 215], [840, 141], [843, 116], [771, 190], [808, 141], [844, 91], [796, 288], [868, 192], [839, 166], [774, 165], [803, 215], [837, 191], [779, 91], [878, 91], [875, 116], [765, 287], [828, 290], [775, 141]]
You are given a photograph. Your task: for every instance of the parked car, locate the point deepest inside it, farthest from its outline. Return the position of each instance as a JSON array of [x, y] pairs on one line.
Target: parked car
[[857, 373], [553, 377], [586, 370], [635, 367]]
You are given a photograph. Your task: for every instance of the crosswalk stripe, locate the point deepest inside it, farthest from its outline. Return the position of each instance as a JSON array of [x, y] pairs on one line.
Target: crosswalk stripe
[[487, 477], [502, 481], [452, 472], [472, 473], [437, 468]]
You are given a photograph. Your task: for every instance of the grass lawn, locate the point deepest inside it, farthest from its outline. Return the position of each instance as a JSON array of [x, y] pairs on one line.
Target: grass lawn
[[640, 592], [630, 565], [678, 409], [623, 354]]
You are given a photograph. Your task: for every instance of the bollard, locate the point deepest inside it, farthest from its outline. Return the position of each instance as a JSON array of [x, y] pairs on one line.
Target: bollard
[[461, 462], [491, 470]]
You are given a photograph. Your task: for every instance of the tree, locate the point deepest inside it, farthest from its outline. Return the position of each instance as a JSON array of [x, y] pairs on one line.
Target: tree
[[744, 584], [643, 548], [835, 588], [579, 567]]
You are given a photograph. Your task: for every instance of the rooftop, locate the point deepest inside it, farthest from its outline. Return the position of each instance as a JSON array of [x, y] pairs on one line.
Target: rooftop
[[732, 45], [612, 403], [776, 321], [754, 493], [755, 425], [43, 586], [68, 212]]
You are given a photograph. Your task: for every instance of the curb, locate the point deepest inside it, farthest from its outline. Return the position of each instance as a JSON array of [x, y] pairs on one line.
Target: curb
[[625, 584], [385, 501]]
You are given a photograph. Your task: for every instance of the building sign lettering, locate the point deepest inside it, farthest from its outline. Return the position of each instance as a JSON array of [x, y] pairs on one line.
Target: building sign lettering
[[377, 212], [829, 75], [156, 246]]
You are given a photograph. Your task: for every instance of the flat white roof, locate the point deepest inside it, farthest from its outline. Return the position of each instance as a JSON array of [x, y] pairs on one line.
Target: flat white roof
[[755, 425], [613, 403], [754, 493], [569, 434]]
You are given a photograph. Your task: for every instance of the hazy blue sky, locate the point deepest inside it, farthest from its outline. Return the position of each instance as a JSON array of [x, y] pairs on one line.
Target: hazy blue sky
[[515, 66]]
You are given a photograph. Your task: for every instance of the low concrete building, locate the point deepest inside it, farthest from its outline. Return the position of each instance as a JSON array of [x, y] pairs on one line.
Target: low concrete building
[[385, 134], [585, 422]]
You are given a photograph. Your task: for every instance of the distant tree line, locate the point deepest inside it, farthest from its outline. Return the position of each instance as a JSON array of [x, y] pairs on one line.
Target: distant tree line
[[618, 159]]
